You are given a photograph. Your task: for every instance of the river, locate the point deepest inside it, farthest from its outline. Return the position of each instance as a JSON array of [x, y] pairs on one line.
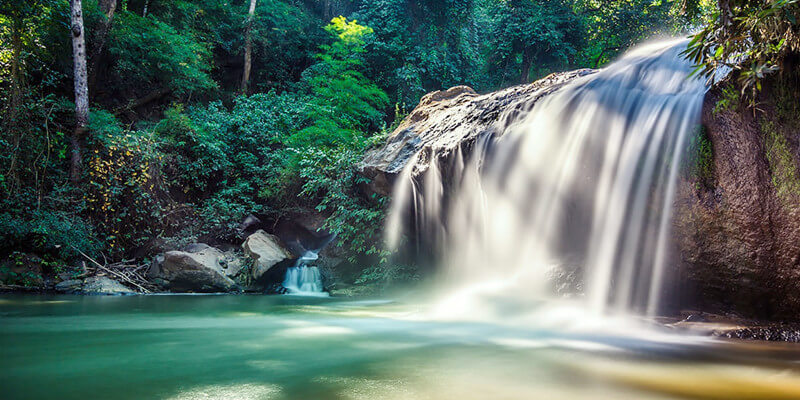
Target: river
[[286, 347]]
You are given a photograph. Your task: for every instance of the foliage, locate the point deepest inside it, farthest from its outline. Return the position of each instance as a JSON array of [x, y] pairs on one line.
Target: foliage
[[613, 26], [530, 34], [751, 37], [123, 183], [174, 152], [50, 228], [343, 102], [331, 179], [387, 275], [729, 99], [698, 163], [151, 53]]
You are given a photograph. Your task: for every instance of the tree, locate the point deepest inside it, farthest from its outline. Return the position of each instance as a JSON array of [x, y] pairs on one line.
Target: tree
[[248, 46], [531, 34], [344, 101], [81, 88], [108, 7]]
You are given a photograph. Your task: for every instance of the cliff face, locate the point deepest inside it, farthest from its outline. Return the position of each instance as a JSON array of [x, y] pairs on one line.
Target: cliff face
[[736, 221], [737, 216]]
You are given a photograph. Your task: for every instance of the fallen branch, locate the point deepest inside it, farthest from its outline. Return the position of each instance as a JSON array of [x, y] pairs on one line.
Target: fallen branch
[[117, 274]]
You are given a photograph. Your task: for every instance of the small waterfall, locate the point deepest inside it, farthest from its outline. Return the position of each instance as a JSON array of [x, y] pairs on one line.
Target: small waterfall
[[582, 182], [304, 280]]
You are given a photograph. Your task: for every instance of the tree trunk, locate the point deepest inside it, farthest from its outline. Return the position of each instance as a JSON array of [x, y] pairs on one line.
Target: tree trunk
[[16, 70], [144, 10], [527, 60], [248, 47], [81, 88], [108, 7]]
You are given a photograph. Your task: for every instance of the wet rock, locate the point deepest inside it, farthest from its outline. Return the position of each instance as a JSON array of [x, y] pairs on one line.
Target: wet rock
[[101, 285], [695, 318], [198, 270], [95, 285], [737, 231], [232, 263], [264, 252], [70, 286], [154, 272], [449, 121]]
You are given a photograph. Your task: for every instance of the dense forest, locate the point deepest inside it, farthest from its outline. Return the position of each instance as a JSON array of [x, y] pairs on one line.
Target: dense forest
[[133, 126]]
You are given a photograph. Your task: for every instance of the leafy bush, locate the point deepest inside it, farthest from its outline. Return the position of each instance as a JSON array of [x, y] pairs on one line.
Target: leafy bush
[[752, 37], [53, 227], [152, 54]]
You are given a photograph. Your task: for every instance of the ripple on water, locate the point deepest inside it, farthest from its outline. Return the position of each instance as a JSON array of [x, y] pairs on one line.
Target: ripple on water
[[231, 392]]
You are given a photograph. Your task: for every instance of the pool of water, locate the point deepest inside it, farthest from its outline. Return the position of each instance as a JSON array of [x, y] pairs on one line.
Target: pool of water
[[289, 347]]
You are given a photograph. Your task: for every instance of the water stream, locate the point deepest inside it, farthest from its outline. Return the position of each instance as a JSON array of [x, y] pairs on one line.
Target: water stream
[[303, 279]]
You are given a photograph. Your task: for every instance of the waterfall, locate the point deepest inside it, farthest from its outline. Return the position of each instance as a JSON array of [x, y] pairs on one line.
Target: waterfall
[[302, 279], [582, 182]]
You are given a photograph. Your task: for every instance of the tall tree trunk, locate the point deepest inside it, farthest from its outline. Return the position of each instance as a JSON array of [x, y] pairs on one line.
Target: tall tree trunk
[[108, 7], [81, 88], [527, 60], [248, 47], [144, 10], [16, 70]]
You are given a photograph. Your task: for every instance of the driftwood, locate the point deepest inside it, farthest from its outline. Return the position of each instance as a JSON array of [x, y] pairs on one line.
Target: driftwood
[[131, 274]]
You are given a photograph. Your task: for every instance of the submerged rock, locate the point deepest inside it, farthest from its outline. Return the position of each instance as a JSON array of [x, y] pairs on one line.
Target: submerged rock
[[264, 251]]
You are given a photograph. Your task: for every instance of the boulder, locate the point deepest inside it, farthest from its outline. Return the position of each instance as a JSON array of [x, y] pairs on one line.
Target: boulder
[[232, 263], [101, 285], [95, 285], [69, 286], [196, 270], [264, 251]]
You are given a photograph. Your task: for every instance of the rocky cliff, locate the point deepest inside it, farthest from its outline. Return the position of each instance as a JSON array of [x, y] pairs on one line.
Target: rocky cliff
[[737, 219]]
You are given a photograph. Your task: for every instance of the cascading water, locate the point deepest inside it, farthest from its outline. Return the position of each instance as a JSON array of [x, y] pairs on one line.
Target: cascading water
[[303, 279], [583, 181]]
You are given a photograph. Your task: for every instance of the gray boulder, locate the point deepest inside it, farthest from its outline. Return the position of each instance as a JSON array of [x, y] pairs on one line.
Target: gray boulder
[[69, 286], [196, 270], [102, 285], [95, 285], [264, 251]]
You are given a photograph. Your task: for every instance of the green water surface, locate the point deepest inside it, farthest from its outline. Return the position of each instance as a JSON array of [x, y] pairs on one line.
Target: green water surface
[[282, 347]]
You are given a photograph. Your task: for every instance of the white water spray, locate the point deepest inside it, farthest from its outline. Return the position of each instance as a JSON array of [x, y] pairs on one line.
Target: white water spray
[[583, 182], [304, 280]]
